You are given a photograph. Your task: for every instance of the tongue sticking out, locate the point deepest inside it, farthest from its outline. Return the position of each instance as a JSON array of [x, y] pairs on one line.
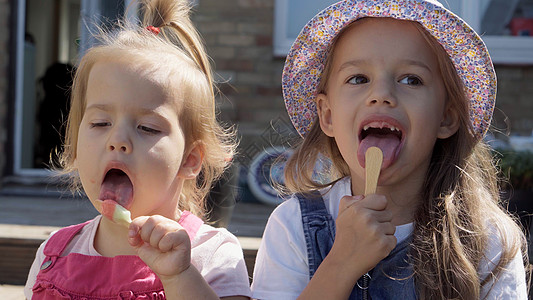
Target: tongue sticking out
[[117, 187], [389, 143]]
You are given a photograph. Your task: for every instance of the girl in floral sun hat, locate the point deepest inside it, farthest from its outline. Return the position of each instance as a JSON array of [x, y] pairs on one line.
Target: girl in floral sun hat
[[413, 79]]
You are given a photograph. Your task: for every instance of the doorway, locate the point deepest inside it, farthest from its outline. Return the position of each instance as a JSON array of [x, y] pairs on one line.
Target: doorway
[[50, 39]]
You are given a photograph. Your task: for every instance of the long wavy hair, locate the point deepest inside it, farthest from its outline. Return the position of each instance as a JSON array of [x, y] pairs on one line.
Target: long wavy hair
[[176, 50], [461, 207]]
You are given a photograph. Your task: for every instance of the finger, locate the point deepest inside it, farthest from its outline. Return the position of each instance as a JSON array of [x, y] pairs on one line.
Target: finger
[[382, 216], [158, 232], [148, 227], [134, 237], [375, 202], [390, 242], [173, 240], [388, 228]]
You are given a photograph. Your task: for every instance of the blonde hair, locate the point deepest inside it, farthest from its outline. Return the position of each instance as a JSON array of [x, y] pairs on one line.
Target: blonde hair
[[461, 208], [179, 51]]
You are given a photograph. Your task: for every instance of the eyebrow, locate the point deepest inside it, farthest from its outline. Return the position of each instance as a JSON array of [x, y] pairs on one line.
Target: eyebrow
[[359, 62], [103, 107], [352, 63], [418, 63], [108, 108]]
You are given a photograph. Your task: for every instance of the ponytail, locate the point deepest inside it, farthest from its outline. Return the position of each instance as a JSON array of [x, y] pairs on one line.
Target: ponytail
[[173, 20]]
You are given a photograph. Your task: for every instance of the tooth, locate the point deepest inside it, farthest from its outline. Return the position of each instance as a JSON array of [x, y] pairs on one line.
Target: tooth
[[366, 127], [392, 128]]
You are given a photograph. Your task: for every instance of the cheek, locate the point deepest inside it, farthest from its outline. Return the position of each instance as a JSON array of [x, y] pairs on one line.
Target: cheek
[[166, 156]]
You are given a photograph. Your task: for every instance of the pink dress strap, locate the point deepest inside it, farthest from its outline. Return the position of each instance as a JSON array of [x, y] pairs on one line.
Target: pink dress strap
[[190, 223], [59, 240], [78, 276]]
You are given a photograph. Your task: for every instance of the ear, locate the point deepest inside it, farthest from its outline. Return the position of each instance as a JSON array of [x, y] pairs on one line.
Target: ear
[[192, 162], [449, 124], [324, 114]]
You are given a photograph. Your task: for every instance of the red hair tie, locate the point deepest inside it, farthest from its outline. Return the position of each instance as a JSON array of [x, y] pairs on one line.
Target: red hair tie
[[153, 29]]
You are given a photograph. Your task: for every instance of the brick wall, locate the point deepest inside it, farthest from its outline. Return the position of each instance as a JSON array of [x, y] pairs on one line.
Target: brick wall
[[4, 76], [514, 100], [238, 35]]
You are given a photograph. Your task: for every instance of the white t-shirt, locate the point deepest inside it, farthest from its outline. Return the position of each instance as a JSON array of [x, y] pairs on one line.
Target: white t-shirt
[[282, 270], [215, 252]]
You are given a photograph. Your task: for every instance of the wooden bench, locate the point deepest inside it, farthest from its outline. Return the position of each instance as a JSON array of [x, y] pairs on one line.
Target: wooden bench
[[19, 243]]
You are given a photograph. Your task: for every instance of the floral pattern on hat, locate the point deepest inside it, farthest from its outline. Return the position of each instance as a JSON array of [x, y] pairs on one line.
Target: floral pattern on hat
[[306, 59]]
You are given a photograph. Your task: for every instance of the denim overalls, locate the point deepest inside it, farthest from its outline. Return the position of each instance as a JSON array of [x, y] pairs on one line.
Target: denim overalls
[[391, 278]]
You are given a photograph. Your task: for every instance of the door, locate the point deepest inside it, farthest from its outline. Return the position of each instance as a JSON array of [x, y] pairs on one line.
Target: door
[[51, 36]]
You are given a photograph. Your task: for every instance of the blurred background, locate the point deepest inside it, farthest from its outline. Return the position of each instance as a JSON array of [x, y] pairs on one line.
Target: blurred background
[[41, 42]]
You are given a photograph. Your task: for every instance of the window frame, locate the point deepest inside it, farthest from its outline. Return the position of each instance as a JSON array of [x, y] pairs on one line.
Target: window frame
[[508, 50]]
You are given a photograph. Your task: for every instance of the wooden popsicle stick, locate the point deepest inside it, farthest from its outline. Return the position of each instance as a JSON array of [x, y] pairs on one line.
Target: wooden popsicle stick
[[373, 161]]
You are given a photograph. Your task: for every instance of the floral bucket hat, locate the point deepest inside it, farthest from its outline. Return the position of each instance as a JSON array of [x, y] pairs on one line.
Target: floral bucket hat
[[305, 62]]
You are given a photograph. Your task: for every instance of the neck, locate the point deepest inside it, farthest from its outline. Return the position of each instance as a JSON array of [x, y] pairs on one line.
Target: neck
[[403, 197], [112, 239]]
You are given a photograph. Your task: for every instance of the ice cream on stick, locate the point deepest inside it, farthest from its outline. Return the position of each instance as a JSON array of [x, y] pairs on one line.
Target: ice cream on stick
[[114, 212], [373, 161]]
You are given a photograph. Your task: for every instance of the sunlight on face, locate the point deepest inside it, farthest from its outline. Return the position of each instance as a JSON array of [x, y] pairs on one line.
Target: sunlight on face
[[384, 89], [131, 127]]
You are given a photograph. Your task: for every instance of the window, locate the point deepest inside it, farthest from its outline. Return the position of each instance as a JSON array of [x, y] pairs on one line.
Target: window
[[505, 25], [290, 16], [49, 40]]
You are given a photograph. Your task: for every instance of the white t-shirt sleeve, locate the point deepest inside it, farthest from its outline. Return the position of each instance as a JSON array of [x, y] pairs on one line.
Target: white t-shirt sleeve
[[34, 270], [281, 268], [218, 255], [511, 281]]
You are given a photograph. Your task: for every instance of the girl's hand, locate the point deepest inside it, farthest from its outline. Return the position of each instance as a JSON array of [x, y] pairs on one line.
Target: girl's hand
[[364, 233], [162, 244]]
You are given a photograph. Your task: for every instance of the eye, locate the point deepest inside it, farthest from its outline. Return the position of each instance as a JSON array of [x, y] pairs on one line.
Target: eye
[[411, 80], [148, 129], [100, 124], [358, 79]]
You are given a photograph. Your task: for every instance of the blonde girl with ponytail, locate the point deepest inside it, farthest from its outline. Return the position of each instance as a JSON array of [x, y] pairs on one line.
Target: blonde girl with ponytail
[[142, 138]]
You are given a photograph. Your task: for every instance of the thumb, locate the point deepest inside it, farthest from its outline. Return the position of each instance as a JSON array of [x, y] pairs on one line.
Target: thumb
[[348, 201]]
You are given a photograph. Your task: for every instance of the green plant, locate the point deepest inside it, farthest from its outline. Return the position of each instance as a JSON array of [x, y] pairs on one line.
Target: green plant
[[517, 167]]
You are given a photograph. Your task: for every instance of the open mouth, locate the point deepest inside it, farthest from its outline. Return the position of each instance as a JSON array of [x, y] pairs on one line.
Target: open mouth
[[389, 138], [385, 131], [118, 187]]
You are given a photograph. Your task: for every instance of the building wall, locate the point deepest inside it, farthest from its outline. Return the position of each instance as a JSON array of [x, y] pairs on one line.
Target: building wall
[[514, 102], [5, 9], [238, 35]]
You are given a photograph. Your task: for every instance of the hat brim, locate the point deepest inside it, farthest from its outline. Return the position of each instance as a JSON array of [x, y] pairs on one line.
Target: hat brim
[[306, 59]]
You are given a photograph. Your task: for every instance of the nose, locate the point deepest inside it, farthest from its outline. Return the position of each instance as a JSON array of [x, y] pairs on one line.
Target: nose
[[119, 141], [382, 93]]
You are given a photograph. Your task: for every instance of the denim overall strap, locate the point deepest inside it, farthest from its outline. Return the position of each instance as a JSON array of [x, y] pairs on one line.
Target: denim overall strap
[[391, 278], [319, 229]]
